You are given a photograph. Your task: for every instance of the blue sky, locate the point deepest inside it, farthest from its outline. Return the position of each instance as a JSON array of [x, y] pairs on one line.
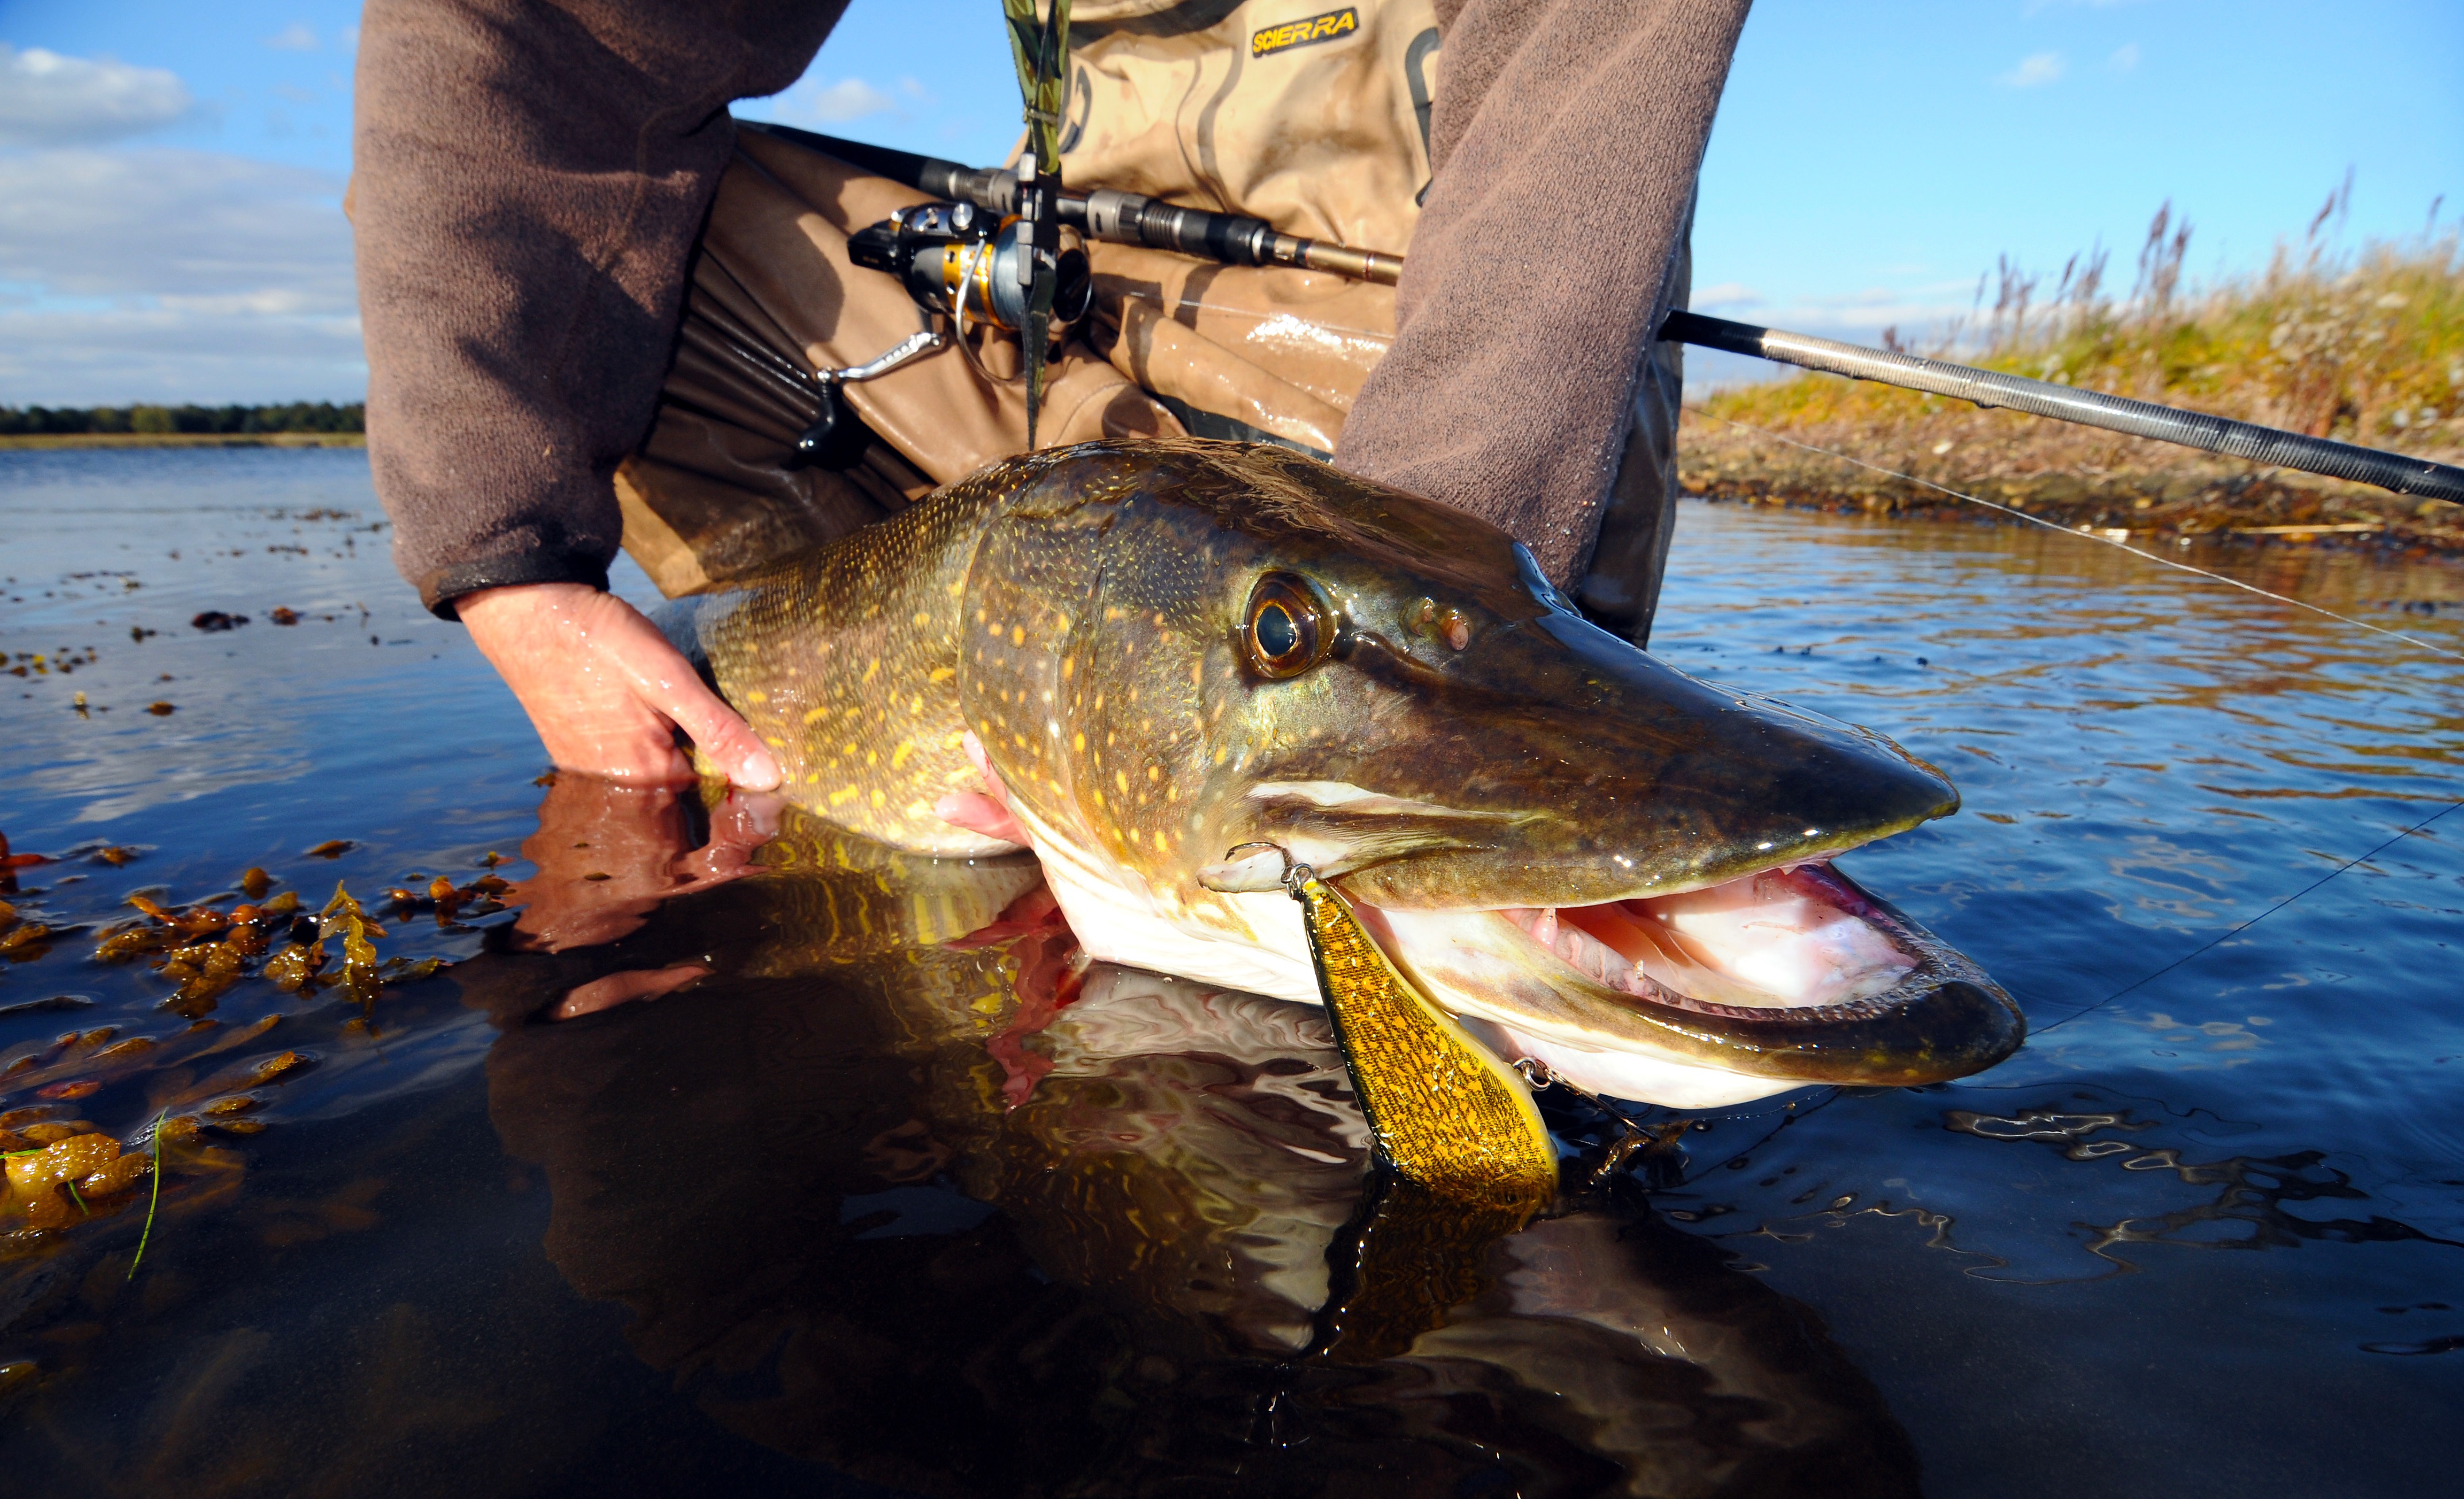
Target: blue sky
[[170, 174]]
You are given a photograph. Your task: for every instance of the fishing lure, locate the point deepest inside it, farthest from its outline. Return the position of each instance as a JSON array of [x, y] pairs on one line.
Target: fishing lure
[[1442, 1110]]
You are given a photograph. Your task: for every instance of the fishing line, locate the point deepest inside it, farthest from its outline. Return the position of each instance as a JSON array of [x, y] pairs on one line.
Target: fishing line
[[2090, 536], [2235, 931]]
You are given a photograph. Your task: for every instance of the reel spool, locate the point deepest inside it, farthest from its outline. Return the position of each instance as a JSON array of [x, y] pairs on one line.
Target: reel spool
[[957, 259]]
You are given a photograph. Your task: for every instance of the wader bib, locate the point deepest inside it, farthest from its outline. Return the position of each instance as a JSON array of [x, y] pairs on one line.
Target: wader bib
[[1315, 119]]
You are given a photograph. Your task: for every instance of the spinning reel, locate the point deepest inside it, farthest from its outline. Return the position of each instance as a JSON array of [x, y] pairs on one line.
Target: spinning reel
[[962, 260]]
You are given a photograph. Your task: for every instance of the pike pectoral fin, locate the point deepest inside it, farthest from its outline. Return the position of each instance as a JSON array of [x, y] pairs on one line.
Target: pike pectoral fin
[[1442, 1109]]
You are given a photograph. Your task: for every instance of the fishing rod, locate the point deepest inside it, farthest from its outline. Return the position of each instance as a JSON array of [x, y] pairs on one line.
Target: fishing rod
[[1987, 387], [1130, 218]]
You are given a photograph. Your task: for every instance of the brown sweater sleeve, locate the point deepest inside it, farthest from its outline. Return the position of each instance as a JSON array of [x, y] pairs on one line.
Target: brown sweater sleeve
[[1567, 138], [529, 178]]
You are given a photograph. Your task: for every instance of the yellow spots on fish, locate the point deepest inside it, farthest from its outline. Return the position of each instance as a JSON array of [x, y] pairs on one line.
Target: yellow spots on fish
[[1197, 674], [843, 796], [1112, 615], [1018, 634], [1069, 668], [814, 779], [915, 703], [955, 740], [757, 696], [1154, 772], [872, 757], [1121, 778], [991, 631], [774, 742], [813, 715], [958, 586], [848, 749], [983, 616], [1099, 702], [1099, 797], [877, 798], [1222, 753], [871, 670], [942, 674], [1078, 742], [1163, 845], [922, 618], [914, 811], [1018, 739]]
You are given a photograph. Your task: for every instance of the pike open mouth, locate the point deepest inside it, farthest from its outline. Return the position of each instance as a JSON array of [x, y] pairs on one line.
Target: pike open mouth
[[1801, 937], [1789, 976]]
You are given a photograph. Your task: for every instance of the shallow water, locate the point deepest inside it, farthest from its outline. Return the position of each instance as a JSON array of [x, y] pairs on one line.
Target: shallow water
[[777, 1231]]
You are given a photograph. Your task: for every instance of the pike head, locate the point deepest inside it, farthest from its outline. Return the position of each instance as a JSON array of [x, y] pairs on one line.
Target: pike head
[[1170, 649]]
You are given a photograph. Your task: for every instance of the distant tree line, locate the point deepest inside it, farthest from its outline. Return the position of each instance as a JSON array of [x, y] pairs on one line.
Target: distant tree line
[[299, 416]]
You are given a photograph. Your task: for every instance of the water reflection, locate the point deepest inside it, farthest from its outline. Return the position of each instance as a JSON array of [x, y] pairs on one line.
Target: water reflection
[[810, 1172]]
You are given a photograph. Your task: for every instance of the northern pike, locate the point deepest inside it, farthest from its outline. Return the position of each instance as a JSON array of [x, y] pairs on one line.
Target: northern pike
[[1169, 648]]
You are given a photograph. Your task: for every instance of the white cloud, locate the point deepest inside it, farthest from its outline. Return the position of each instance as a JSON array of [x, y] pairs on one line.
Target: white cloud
[[850, 98], [48, 100], [2124, 58], [158, 222], [173, 274], [2034, 70], [294, 38]]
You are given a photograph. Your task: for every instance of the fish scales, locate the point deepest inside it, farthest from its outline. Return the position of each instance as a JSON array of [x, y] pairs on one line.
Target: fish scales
[[1169, 648]]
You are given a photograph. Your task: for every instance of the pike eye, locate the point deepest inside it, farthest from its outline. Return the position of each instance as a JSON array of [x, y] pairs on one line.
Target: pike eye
[[1287, 630]]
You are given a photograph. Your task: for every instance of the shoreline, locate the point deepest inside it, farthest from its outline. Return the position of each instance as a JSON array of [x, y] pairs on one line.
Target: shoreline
[[2097, 483], [46, 441]]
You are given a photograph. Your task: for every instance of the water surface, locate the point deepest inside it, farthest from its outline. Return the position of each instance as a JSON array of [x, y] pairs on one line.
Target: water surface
[[781, 1229]]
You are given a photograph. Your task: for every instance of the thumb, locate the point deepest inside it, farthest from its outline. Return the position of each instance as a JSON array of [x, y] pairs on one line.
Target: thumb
[[670, 686], [719, 733]]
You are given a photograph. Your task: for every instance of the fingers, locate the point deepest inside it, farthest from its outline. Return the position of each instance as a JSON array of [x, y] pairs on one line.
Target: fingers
[[719, 733], [668, 685], [978, 813], [974, 748], [986, 811]]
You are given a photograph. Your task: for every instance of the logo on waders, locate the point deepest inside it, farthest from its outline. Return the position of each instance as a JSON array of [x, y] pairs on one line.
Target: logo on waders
[[1305, 33]]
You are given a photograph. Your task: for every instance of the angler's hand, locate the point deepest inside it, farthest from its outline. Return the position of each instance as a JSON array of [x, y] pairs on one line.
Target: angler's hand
[[604, 689], [986, 811]]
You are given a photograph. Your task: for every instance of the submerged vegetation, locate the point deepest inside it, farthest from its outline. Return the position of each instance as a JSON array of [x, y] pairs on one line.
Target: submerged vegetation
[[2362, 347]]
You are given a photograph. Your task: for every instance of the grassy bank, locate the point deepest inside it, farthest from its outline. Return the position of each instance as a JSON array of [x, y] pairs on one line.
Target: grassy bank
[[2366, 348]]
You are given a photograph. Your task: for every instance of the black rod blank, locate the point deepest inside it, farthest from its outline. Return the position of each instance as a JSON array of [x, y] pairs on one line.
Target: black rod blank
[[1987, 387]]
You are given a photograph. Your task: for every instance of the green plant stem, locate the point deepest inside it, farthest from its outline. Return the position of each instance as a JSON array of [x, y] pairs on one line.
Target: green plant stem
[[149, 1234]]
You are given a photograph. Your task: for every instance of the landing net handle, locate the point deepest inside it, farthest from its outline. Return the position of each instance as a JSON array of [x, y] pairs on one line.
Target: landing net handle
[[1987, 387]]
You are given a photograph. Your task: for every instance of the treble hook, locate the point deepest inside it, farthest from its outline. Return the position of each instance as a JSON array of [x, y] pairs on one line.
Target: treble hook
[[1295, 873]]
